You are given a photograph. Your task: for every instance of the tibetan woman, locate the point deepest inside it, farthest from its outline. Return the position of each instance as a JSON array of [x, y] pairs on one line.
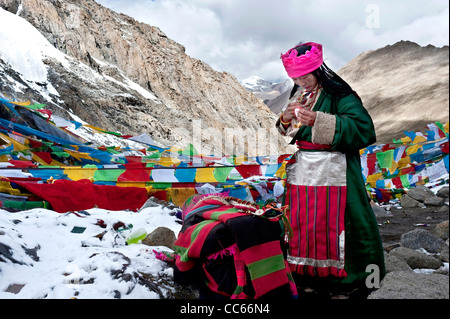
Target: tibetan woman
[[335, 233]]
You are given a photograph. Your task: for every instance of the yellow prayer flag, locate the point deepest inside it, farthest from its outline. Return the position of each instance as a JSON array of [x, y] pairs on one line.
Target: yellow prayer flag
[[413, 149], [281, 172], [419, 139], [133, 184], [179, 195], [79, 155], [76, 173], [372, 179], [404, 161], [168, 161], [21, 103], [240, 159], [205, 175], [100, 130], [406, 140]]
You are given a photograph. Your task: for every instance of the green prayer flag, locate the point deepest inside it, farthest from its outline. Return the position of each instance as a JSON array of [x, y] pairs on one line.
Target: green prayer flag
[[189, 150], [385, 158], [405, 181], [221, 173], [36, 106], [107, 175]]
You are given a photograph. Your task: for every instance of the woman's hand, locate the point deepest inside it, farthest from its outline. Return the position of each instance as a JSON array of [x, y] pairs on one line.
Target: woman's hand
[[289, 113], [304, 116]]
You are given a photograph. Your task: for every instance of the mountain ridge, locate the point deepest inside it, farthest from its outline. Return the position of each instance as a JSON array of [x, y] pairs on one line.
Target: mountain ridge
[[114, 50]]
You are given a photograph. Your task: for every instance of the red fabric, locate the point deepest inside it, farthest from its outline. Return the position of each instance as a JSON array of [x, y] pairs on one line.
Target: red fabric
[[371, 162], [45, 156], [282, 157], [317, 219], [305, 145], [135, 172], [444, 148], [249, 170], [66, 195], [397, 182], [18, 163]]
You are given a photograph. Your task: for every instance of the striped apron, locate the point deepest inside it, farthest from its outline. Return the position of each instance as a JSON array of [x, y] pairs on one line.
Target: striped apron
[[316, 195]]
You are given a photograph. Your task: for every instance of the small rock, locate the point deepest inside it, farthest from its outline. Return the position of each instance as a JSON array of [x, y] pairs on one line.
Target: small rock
[[443, 256], [155, 202], [408, 202], [420, 238], [161, 236], [441, 230], [380, 212], [443, 192], [388, 247], [443, 209], [416, 259]]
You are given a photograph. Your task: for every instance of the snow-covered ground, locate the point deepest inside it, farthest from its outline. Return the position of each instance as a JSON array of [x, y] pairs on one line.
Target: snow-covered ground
[[50, 255]]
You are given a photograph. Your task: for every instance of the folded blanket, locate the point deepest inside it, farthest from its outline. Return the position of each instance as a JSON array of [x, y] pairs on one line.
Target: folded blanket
[[234, 246]]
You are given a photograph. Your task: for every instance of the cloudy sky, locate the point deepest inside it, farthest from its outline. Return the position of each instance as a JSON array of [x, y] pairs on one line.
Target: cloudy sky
[[246, 37]]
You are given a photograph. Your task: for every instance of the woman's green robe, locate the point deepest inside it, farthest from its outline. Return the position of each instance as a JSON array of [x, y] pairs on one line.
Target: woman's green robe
[[346, 126]]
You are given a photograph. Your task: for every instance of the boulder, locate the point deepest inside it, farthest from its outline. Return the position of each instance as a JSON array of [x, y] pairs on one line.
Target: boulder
[[408, 202], [161, 236], [434, 201], [424, 195], [443, 192], [416, 259], [443, 256], [420, 193], [394, 263], [410, 285], [441, 230], [380, 212], [420, 238]]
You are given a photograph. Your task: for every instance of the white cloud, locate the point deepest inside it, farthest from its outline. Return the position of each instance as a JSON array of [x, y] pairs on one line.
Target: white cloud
[[246, 38]]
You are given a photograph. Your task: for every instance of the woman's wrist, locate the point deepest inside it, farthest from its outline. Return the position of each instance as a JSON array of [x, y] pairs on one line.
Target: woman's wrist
[[284, 122]]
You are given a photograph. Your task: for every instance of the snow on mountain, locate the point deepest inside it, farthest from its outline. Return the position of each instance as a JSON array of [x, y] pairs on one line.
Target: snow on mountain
[[266, 90], [257, 84], [21, 42]]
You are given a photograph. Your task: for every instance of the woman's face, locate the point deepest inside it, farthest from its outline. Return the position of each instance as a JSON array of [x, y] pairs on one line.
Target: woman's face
[[306, 82]]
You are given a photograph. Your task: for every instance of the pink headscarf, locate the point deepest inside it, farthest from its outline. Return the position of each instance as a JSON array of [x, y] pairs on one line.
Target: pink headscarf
[[297, 66]]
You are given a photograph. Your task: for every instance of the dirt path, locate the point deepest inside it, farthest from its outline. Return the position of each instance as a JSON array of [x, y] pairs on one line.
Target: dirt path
[[406, 219]]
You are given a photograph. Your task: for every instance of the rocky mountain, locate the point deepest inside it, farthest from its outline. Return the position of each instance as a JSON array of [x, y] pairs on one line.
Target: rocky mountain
[[116, 73], [404, 87]]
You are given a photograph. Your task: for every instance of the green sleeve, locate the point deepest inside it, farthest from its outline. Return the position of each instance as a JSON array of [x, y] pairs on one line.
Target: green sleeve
[[354, 127]]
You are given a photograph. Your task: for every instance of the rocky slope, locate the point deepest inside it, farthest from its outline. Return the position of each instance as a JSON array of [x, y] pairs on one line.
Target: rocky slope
[[117, 62], [404, 86]]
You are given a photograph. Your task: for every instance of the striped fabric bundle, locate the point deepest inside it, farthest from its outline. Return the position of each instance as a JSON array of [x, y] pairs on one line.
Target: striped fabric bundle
[[239, 255]]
